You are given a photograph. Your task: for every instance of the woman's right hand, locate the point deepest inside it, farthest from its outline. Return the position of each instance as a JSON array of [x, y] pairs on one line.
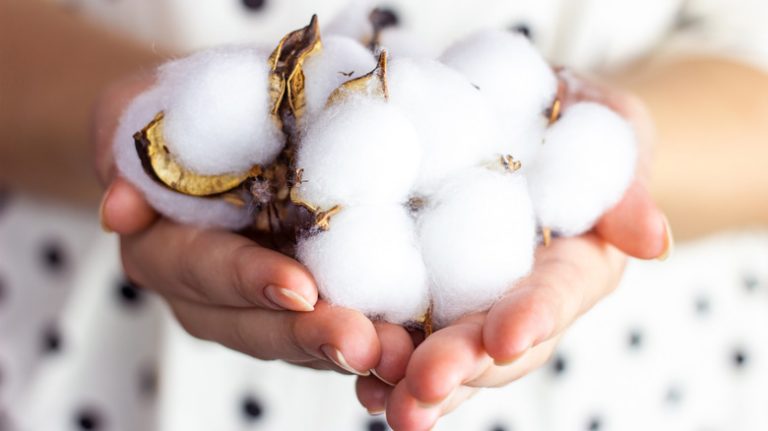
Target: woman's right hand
[[222, 286]]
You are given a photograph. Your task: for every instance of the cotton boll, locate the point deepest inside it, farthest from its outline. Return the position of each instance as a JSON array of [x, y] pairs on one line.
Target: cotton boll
[[361, 151], [583, 169], [452, 119], [218, 111], [204, 212], [369, 261], [340, 60], [516, 80], [477, 238]]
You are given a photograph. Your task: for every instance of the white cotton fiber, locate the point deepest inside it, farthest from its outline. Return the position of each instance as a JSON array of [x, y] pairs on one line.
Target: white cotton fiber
[[477, 238], [218, 111], [583, 169], [454, 123], [341, 59], [369, 261], [362, 151], [516, 80], [204, 212]]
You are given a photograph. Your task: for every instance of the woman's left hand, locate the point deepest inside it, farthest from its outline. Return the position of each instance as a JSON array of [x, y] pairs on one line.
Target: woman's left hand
[[520, 332]]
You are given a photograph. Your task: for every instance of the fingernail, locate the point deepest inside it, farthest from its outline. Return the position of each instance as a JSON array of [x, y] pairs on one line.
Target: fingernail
[[669, 242], [376, 412], [334, 355], [373, 371], [103, 203], [287, 299]]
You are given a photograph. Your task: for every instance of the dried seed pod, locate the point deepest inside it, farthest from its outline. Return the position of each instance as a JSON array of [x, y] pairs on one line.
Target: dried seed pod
[[373, 84], [159, 163], [287, 77]]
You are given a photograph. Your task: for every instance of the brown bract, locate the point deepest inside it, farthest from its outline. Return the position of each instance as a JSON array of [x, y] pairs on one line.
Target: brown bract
[[158, 162], [286, 82]]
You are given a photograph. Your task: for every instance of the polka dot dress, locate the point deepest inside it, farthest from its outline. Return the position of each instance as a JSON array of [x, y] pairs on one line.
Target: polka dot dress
[[680, 346]]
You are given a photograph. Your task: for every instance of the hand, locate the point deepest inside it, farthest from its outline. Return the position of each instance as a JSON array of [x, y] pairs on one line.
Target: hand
[[520, 332], [222, 286]]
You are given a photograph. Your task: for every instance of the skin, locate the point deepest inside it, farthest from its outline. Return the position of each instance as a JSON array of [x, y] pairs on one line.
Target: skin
[[217, 281]]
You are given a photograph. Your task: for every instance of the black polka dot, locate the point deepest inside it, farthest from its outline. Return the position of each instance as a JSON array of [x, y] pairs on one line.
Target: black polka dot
[[635, 339], [51, 340], [53, 257], [129, 294], [148, 381], [500, 428], [377, 425], [254, 5], [523, 29], [750, 282], [595, 424], [251, 409], [88, 419], [559, 365], [685, 20], [739, 358], [702, 305], [674, 395], [384, 17]]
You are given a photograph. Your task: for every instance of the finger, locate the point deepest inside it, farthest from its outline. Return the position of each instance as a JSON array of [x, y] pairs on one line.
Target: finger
[[340, 336], [637, 226], [569, 276], [216, 267], [446, 359], [406, 413], [396, 349], [124, 210], [497, 376], [372, 394]]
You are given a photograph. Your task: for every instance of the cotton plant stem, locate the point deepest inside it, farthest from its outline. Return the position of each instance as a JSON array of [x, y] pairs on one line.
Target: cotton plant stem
[[53, 67], [709, 168]]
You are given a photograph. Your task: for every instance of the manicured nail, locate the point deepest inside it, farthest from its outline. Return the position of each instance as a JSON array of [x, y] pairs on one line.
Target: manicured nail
[[373, 371], [103, 203], [669, 242], [334, 355], [287, 299]]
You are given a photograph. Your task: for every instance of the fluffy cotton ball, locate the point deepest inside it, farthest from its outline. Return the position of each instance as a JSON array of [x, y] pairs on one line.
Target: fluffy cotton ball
[[340, 60], [477, 238], [369, 260], [361, 151], [218, 111], [516, 80], [584, 167], [182, 208], [453, 121]]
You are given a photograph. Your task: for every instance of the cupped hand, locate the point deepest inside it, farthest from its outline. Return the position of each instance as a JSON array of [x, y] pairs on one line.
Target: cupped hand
[[520, 332], [223, 286]]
